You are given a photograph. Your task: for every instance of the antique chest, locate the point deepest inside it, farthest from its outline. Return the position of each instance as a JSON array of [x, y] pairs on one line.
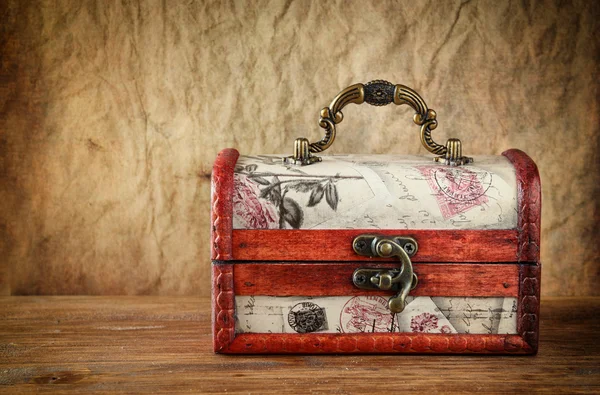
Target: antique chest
[[375, 253]]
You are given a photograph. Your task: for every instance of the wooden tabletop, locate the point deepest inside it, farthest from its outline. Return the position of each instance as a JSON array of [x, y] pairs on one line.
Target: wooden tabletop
[[163, 344]]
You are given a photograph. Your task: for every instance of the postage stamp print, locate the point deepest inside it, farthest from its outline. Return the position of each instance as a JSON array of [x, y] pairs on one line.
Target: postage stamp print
[[457, 190], [366, 314], [307, 317]]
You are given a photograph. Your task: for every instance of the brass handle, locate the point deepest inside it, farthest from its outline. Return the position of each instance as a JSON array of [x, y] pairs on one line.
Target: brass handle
[[402, 281], [378, 93]]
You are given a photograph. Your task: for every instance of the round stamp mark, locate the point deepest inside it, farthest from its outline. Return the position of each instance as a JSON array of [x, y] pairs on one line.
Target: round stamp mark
[[307, 317], [366, 314], [463, 185]]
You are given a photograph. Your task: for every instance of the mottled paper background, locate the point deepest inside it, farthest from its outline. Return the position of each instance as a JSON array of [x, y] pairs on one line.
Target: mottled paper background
[[112, 113]]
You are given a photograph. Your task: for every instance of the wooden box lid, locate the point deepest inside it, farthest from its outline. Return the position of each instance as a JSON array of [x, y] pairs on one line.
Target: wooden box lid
[[264, 210]]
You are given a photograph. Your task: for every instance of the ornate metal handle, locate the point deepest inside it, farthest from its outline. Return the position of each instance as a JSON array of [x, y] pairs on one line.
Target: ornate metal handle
[[378, 93]]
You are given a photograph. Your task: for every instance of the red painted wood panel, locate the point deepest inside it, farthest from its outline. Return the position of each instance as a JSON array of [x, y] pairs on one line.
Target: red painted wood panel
[[335, 279], [336, 245]]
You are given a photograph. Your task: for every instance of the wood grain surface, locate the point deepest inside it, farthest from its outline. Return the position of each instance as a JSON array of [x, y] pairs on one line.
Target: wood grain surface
[[336, 245], [160, 344], [335, 279]]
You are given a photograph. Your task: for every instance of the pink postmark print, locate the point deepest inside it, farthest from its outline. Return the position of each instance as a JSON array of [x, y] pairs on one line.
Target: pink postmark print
[[366, 314], [250, 210], [424, 323], [457, 190]]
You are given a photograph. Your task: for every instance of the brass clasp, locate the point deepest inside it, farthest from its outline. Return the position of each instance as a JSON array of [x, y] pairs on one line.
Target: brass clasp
[[402, 280]]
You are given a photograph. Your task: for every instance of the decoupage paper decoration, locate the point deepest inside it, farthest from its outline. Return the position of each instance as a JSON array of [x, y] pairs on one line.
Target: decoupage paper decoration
[[374, 192], [356, 314]]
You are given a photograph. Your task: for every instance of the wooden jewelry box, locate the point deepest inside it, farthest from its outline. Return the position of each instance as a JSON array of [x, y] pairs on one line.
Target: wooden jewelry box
[[375, 253]]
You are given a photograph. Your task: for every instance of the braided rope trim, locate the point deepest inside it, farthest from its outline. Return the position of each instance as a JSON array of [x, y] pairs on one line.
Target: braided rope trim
[[223, 321], [222, 204], [529, 205], [367, 343]]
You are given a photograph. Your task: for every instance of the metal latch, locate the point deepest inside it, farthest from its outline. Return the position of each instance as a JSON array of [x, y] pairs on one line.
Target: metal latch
[[402, 280]]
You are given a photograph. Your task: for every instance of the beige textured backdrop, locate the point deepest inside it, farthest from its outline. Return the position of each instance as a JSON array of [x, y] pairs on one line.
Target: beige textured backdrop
[[112, 113]]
